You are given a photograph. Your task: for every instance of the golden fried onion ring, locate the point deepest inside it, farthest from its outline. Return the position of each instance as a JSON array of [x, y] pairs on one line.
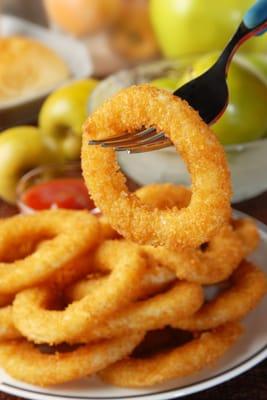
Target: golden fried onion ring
[[57, 231], [224, 253], [155, 279], [183, 299], [26, 363], [164, 195], [163, 264], [7, 328], [249, 285], [32, 318], [133, 109], [176, 363], [5, 299]]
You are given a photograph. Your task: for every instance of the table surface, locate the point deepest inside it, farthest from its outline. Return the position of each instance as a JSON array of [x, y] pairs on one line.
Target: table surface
[[252, 384]]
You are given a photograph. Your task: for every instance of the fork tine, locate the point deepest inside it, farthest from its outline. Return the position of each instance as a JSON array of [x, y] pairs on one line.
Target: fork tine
[[121, 138], [99, 142], [151, 147], [135, 139], [140, 142]]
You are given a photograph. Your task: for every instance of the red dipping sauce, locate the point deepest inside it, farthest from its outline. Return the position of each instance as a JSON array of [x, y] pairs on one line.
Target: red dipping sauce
[[68, 193]]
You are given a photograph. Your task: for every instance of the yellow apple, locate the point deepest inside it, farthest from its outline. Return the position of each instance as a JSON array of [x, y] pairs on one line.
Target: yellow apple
[[258, 61], [62, 116], [167, 83], [21, 149]]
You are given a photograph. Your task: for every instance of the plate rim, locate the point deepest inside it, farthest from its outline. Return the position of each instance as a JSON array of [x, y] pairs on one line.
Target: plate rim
[[168, 394], [215, 380]]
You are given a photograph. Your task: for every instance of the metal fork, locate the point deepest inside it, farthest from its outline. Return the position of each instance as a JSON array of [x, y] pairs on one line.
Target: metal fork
[[208, 93]]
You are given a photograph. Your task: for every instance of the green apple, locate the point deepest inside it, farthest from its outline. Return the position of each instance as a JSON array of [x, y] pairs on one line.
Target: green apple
[[167, 83], [21, 149], [62, 116], [257, 61], [245, 118], [198, 26]]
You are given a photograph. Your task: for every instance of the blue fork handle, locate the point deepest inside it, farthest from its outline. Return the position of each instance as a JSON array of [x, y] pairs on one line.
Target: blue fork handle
[[256, 16], [254, 23]]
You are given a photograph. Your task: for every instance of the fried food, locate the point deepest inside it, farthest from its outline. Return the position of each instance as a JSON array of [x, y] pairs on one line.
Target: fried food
[[183, 298], [222, 255], [107, 231], [248, 233], [126, 294], [34, 247], [127, 264], [77, 299], [25, 362], [249, 285], [155, 280], [5, 299], [28, 67], [7, 327], [176, 363], [164, 195], [133, 109]]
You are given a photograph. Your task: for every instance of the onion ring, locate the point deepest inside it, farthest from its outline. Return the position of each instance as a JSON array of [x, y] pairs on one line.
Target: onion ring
[[5, 299], [164, 195], [224, 253], [32, 318], [248, 287], [7, 328], [183, 299], [72, 271], [106, 229], [248, 233], [133, 109], [179, 362], [155, 279], [25, 362], [61, 245], [225, 250]]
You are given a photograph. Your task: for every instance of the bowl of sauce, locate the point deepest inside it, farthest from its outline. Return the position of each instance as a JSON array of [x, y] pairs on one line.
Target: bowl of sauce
[[52, 187]]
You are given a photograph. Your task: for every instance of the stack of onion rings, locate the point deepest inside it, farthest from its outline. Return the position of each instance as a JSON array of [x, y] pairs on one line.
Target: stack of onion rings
[[105, 299], [53, 327]]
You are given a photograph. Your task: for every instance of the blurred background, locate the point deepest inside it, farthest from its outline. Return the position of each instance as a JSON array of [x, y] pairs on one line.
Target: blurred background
[[123, 32], [60, 59], [116, 32]]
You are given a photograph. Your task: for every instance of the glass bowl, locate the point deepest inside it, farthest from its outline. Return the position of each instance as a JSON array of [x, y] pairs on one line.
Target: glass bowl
[[247, 161], [44, 174]]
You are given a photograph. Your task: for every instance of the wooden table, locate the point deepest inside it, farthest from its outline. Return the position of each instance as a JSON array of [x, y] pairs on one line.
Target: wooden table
[[249, 386]]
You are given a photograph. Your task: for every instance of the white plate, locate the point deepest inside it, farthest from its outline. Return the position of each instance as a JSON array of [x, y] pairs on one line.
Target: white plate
[[250, 350]]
